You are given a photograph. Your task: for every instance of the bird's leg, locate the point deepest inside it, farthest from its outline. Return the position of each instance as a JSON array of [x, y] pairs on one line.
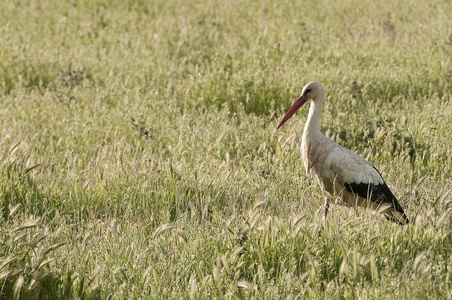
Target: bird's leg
[[325, 214], [327, 207]]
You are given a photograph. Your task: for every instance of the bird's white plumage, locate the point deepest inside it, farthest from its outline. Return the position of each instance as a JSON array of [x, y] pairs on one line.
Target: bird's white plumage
[[331, 164], [337, 169]]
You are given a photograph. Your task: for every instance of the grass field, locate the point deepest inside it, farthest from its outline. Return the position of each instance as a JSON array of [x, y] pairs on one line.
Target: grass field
[[139, 156]]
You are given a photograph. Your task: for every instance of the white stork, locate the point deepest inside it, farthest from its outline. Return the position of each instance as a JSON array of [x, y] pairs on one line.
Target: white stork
[[344, 177]]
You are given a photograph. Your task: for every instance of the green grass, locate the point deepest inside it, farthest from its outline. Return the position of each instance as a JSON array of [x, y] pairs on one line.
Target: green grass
[[139, 156]]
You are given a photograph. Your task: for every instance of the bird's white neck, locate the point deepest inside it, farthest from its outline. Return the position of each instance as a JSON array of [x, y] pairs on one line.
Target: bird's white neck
[[312, 126], [312, 137]]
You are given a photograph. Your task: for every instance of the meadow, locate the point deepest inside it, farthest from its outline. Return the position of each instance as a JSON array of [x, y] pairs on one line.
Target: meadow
[[139, 156]]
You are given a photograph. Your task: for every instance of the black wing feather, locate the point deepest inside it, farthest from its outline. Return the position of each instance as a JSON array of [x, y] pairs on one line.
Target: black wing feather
[[378, 193]]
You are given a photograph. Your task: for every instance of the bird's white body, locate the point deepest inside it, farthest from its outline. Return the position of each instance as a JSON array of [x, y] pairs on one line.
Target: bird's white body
[[333, 165], [344, 177]]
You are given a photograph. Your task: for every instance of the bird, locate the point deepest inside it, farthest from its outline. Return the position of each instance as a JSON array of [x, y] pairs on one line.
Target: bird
[[344, 177]]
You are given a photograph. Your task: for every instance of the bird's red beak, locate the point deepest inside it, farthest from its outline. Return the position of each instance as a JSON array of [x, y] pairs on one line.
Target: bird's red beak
[[299, 103]]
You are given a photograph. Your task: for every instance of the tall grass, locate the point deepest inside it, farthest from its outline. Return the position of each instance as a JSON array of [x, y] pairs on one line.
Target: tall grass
[[139, 156]]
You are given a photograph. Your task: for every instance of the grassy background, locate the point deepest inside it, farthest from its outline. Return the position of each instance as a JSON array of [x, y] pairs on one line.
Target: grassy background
[[139, 156]]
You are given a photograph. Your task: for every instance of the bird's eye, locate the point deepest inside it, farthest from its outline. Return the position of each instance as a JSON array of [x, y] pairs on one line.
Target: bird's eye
[[308, 91]]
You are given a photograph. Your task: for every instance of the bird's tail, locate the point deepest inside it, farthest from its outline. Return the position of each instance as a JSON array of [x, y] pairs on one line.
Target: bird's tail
[[396, 213]]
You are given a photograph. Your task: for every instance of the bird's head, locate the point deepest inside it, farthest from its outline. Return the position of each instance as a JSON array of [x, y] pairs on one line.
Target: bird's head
[[312, 91]]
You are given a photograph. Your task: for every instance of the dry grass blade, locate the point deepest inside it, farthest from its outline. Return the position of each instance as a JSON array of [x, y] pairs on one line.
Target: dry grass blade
[[14, 148], [54, 247], [35, 242], [28, 225], [17, 287], [7, 261], [4, 274], [244, 284], [162, 229], [31, 168], [13, 209], [46, 262], [418, 184]]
